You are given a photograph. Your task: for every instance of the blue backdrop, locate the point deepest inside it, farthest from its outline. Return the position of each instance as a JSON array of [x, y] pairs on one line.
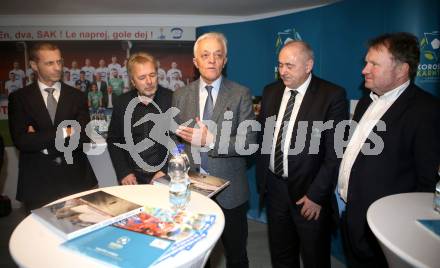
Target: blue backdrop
[[338, 34]]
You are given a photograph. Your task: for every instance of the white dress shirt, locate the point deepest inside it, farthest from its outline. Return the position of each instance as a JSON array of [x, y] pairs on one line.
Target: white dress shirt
[[203, 94], [56, 92], [372, 115], [286, 145]]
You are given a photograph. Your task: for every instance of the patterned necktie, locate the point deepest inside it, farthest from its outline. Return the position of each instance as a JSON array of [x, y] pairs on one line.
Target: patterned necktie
[[207, 114], [51, 103], [278, 157]]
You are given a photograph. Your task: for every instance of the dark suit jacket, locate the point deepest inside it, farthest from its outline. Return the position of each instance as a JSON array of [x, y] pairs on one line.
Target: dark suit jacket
[[40, 178], [103, 87], [105, 99], [154, 155], [313, 175], [223, 161], [409, 161]]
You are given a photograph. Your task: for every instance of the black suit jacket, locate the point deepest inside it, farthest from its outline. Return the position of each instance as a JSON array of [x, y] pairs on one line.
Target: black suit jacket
[[409, 160], [103, 87], [43, 178], [313, 175], [154, 155]]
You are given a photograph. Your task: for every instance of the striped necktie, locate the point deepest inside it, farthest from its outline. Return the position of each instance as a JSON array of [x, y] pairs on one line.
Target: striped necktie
[[278, 157]]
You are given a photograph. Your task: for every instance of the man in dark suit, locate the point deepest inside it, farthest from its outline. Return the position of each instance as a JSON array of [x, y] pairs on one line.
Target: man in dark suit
[[148, 99], [108, 98], [102, 85], [299, 184], [402, 122], [213, 98], [34, 114]]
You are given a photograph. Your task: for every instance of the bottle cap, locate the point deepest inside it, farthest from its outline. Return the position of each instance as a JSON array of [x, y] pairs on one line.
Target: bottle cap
[[181, 147]]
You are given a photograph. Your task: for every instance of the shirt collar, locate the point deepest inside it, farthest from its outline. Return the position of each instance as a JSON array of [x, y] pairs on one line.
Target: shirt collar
[[302, 88], [392, 94], [215, 85], [42, 86]]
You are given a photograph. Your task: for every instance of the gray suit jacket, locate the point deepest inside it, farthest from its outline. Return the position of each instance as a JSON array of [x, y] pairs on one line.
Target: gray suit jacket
[[224, 160]]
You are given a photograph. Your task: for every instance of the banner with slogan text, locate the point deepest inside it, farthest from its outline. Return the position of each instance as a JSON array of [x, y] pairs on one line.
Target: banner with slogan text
[[101, 47], [42, 33]]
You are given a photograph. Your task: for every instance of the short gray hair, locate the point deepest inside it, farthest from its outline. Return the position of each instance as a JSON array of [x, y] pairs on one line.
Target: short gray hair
[[219, 36], [305, 47]]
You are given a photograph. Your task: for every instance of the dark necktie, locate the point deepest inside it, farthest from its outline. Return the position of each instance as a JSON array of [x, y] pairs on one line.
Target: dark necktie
[[51, 103], [278, 157], [207, 114]]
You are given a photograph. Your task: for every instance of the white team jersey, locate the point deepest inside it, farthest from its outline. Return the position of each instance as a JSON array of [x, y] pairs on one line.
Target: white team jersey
[[90, 72], [103, 73], [74, 75], [116, 66], [12, 86], [173, 70], [19, 76], [124, 75]]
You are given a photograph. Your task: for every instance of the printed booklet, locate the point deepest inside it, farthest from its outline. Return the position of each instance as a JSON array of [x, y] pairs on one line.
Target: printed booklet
[[204, 184], [149, 237], [80, 215]]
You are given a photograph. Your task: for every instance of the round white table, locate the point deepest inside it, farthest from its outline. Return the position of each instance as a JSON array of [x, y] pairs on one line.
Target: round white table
[[34, 245], [405, 241]]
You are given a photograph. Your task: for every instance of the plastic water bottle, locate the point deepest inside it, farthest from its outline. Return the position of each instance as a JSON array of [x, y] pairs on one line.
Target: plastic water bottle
[[437, 197], [181, 148], [178, 188]]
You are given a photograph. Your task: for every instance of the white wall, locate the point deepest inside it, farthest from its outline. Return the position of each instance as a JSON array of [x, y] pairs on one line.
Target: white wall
[[134, 19]]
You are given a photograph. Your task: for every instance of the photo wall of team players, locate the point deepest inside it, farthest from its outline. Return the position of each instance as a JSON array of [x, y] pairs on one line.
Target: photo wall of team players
[[97, 68]]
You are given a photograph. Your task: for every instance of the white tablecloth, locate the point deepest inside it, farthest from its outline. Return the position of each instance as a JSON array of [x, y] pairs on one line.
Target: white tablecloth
[[34, 245], [405, 242]]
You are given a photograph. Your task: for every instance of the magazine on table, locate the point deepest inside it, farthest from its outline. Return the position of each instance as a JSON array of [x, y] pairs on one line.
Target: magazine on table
[[148, 237], [204, 184], [83, 214], [120, 247], [184, 227]]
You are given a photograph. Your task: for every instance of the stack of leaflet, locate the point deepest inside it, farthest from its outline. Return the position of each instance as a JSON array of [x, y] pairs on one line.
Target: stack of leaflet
[[146, 238]]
